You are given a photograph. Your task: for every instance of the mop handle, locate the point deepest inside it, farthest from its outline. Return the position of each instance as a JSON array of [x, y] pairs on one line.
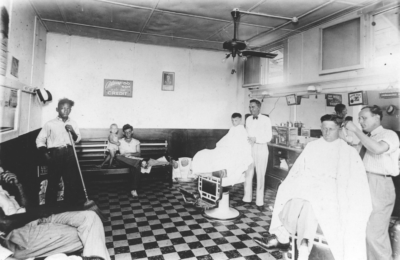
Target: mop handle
[[77, 162]]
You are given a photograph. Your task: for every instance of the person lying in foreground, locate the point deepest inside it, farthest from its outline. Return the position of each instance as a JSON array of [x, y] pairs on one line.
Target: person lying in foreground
[[326, 186], [28, 232]]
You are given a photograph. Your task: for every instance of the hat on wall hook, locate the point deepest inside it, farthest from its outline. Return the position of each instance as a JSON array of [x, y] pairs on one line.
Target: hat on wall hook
[[43, 95]]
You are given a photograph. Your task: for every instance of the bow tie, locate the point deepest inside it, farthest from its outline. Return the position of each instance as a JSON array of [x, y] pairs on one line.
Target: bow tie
[[255, 117]]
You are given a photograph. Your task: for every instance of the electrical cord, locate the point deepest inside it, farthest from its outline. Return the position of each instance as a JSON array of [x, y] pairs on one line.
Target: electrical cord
[[274, 106]]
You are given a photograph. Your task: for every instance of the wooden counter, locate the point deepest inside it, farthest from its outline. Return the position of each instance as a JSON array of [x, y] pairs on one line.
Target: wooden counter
[[275, 173]]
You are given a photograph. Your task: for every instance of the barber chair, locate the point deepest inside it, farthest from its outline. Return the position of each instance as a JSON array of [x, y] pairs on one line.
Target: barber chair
[[213, 197], [320, 250]]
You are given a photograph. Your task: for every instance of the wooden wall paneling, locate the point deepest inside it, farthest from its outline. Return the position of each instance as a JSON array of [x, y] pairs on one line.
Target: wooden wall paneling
[[310, 55], [295, 58]]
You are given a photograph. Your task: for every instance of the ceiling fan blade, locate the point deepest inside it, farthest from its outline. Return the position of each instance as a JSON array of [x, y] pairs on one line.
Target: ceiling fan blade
[[236, 17], [260, 54]]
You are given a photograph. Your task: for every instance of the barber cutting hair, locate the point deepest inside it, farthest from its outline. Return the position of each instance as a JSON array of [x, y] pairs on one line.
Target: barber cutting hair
[[380, 153]]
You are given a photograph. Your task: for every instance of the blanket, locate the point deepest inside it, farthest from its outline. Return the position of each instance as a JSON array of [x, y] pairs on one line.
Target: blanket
[[340, 199], [232, 153]]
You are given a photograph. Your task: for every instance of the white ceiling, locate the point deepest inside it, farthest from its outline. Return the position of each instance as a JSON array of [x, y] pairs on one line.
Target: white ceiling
[[200, 24]]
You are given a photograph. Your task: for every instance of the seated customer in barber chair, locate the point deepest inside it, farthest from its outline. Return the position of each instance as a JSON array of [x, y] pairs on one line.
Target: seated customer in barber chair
[[230, 159], [232, 153], [327, 186]]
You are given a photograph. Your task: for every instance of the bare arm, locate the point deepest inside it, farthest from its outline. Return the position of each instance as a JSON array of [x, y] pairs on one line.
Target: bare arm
[[373, 146], [111, 140]]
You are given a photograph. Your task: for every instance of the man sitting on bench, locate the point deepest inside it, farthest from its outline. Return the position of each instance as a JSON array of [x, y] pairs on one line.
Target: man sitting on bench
[[28, 231], [328, 186], [129, 154]]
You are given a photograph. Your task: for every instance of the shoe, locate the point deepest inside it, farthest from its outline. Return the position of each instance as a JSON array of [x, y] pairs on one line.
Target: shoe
[[271, 243], [93, 257], [134, 193], [242, 203], [261, 208]]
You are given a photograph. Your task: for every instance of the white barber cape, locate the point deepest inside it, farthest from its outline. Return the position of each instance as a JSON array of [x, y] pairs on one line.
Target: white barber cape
[[233, 153], [332, 177]]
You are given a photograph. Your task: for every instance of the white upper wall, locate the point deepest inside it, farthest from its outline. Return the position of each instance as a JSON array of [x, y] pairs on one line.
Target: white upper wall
[[205, 94]]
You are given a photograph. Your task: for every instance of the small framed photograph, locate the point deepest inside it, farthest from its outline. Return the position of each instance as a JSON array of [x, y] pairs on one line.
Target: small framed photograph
[[333, 99], [14, 67], [168, 81], [358, 98], [291, 100]]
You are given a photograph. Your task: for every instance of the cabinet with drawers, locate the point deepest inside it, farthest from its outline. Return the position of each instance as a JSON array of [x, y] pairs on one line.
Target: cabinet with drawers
[[275, 172]]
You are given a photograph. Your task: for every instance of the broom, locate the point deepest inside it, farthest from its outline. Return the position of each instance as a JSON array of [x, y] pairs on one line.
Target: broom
[[89, 204]]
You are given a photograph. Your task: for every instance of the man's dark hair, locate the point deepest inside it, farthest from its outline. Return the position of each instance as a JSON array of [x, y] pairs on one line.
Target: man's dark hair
[[256, 101], [333, 118], [236, 115], [348, 118], [65, 101], [376, 110], [339, 108], [126, 127]]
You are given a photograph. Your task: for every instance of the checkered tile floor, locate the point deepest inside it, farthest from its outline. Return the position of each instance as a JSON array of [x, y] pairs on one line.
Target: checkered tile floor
[[158, 225]]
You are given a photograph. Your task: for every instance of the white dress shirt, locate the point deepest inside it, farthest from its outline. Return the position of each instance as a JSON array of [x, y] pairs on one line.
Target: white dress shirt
[[387, 162], [259, 128], [54, 134], [4, 253]]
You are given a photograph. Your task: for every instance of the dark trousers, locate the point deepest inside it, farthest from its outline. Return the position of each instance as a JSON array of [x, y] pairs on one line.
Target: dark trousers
[[63, 164], [134, 166]]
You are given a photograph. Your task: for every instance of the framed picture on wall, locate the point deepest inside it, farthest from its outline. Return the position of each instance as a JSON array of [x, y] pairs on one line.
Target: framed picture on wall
[[333, 99], [291, 100], [168, 81], [358, 98]]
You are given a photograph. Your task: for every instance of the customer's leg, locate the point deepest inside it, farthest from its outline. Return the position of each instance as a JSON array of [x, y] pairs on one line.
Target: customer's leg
[[40, 240], [297, 216], [90, 230]]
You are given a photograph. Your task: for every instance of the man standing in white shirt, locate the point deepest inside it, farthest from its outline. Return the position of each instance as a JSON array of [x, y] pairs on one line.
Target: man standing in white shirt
[[380, 154], [55, 144], [260, 132]]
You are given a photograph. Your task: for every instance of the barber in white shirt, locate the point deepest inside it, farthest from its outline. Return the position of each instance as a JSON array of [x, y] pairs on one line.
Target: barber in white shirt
[[260, 132], [380, 153]]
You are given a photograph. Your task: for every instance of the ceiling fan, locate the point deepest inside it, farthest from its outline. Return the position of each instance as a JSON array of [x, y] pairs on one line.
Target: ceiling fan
[[238, 47]]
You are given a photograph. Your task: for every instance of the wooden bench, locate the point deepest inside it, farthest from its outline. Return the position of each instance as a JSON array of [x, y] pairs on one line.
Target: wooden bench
[[92, 152]]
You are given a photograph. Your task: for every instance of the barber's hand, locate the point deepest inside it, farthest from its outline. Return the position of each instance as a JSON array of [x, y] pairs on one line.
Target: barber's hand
[[251, 140], [9, 177], [69, 128], [351, 126]]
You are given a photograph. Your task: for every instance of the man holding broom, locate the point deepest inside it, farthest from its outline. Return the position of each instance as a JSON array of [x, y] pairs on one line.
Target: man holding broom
[[54, 142]]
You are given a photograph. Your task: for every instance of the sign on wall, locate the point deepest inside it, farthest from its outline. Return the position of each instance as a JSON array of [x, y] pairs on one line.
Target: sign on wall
[[118, 88], [333, 99], [387, 95]]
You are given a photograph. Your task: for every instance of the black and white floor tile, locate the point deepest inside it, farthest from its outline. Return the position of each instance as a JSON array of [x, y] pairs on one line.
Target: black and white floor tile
[[157, 225]]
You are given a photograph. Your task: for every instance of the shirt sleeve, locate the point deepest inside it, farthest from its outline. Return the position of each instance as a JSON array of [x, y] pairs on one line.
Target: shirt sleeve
[[392, 140], [77, 132], [41, 140], [265, 133], [4, 253]]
